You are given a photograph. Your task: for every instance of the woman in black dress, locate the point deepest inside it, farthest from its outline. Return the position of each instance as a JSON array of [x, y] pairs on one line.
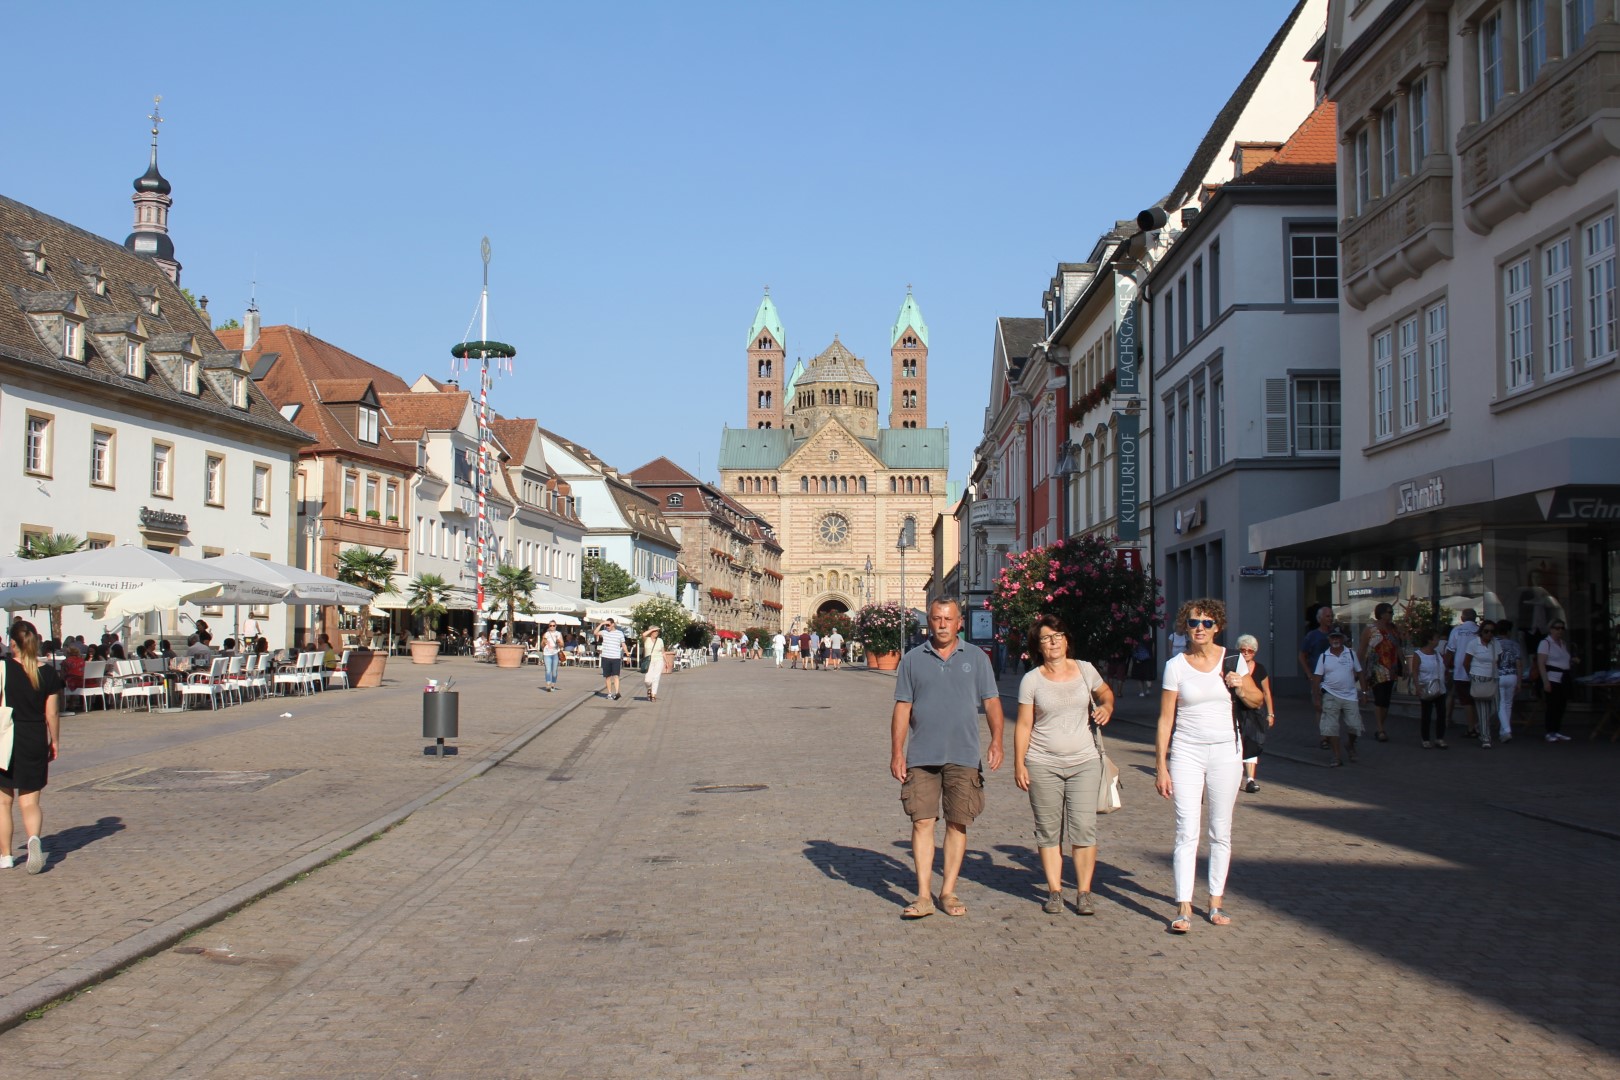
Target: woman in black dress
[[32, 692]]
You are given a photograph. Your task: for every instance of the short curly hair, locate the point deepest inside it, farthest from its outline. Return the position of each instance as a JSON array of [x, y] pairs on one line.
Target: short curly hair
[[1033, 638], [1210, 606]]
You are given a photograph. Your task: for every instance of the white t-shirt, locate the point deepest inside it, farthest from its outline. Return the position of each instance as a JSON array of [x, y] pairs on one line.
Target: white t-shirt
[[1462, 635], [1203, 703], [835, 640], [1557, 656], [550, 642], [1339, 674], [778, 642], [1482, 659]]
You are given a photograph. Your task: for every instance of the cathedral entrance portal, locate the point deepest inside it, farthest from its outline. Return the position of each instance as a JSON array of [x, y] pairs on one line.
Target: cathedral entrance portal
[[833, 604]]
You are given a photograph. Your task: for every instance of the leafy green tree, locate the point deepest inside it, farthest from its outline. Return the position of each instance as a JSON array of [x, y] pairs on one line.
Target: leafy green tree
[[670, 618], [605, 580], [46, 546], [1106, 607], [426, 598], [698, 635], [511, 587], [825, 622], [372, 571], [229, 324]]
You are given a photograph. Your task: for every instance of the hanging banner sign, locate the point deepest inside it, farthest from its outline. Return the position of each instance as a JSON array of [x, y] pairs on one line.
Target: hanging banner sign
[[1127, 475], [1126, 355]]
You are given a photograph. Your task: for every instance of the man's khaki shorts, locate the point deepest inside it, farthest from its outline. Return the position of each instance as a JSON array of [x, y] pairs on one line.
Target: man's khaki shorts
[[959, 787]]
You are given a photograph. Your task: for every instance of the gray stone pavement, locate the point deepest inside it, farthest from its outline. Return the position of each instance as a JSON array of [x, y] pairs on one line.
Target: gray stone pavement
[[711, 885]]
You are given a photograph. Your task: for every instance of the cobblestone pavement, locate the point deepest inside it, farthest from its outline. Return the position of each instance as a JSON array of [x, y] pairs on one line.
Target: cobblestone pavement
[[711, 885]]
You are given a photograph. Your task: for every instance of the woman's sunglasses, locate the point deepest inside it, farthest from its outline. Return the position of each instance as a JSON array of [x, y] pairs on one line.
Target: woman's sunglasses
[[1207, 624]]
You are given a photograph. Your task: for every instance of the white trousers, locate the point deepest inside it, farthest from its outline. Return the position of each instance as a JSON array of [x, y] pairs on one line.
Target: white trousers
[[1193, 768], [1506, 687]]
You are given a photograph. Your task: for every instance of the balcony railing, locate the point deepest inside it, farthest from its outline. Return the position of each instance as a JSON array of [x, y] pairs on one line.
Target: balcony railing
[[984, 512], [1398, 237]]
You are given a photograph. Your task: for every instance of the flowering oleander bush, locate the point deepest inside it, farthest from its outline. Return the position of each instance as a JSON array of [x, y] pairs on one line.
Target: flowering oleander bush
[[884, 628], [1107, 607]]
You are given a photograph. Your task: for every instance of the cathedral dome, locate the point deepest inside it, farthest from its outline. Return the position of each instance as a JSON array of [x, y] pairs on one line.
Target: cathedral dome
[[152, 180], [836, 365]]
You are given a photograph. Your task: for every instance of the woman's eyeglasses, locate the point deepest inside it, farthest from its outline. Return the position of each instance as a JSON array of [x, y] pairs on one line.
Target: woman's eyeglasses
[[1047, 639], [1207, 624]]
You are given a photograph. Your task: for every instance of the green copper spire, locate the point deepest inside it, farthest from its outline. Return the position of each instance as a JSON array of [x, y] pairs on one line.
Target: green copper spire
[[910, 316], [793, 380], [766, 318]]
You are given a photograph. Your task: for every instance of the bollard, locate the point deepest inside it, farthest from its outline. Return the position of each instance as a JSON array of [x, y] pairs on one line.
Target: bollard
[[441, 717]]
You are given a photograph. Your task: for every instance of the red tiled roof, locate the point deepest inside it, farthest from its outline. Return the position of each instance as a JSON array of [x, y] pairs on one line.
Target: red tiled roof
[[342, 390], [1310, 156], [440, 411], [515, 435]]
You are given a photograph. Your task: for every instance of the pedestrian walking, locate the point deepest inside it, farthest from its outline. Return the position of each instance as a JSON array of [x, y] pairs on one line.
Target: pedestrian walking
[[652, 655], [1509, 675], [1339, 674], [818, 657], [30, 689], [804, 650], [1462, 635], [835, 649], [778, 646], [1311, 648], [610, 647], [1482, 659], [551, 646], [938, 691], [1197, 748], [1057, 758], [1427, 669], [1142, 667], [1254, 724], [1381, 648]]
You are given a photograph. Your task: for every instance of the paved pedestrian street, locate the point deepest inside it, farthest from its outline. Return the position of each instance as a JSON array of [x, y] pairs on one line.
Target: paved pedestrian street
[[711, 886]]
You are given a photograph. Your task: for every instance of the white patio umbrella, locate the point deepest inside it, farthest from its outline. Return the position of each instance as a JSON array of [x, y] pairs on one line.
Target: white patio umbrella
[[126, 567], [301, 586], [555, 617]]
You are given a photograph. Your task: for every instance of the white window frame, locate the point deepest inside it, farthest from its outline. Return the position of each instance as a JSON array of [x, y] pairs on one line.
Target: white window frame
[[39, 439], [1417, 120], [1361, 170], [1411, 373], [102, 462], [72, 339], [190, 376], [1518, 325], [1558, 306], [162, 470], [1317, 235], [1579, 18], [1217, 420], [214, 480], [1438, 350], [368, 424], [1328, 416], [134, 358], [1383, 370], [1492, 70], [1389, 166], [1531, 17], [1170, 469], [1598, 280], [261, 489]]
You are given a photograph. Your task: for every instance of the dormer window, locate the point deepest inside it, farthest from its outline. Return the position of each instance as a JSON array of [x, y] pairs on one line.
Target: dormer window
[[151, 305], [34, 259], [72, 339], [239, 396], [94, 281], [676, 499], [134, 358], [189, 383], [367, 428]]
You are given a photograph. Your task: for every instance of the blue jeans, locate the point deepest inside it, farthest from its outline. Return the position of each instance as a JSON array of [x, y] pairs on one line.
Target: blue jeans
[[551, 669]]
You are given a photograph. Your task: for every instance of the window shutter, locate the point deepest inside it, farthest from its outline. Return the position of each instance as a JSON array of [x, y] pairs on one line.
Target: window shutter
[[1276, 413]]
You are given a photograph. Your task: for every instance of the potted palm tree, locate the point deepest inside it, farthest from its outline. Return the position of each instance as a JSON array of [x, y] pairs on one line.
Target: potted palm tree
[[426, 599], [46, 546], [510, 587], [374, 572]]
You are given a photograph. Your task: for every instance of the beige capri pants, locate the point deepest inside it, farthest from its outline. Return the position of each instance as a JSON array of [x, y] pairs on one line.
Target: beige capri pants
[[1064, 799]]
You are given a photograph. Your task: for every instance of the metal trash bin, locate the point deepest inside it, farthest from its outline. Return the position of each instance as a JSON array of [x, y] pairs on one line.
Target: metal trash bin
[[441, 716]]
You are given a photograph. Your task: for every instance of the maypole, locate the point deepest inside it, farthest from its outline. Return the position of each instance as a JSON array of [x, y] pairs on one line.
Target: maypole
[[483, 351]]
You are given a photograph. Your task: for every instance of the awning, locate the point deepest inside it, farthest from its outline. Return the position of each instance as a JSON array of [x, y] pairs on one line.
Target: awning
[[727, 635], [1571, 482]]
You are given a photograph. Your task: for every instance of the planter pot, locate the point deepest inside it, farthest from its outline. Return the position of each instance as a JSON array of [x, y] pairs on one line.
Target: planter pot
[[883, 661], [424, 652], [365, 668], [510, 656], [669, 662]]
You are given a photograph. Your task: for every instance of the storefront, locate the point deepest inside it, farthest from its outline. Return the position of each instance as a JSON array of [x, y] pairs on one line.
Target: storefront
[[1531, 537]]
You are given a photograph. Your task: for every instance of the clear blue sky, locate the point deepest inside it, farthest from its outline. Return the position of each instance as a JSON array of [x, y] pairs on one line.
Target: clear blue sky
[[642, 170]]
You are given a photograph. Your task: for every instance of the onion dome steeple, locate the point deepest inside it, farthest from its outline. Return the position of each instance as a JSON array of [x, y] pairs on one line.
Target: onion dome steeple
[[152, 202]]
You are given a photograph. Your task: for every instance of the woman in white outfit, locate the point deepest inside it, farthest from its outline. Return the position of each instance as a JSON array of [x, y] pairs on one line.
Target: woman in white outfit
[[1198, 750], [652, 647]]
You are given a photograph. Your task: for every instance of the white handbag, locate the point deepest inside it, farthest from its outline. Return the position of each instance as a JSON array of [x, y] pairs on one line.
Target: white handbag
[[5, 722]]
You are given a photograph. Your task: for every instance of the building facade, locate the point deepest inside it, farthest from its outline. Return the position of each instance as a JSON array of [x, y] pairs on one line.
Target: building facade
[[1478, 201], [853, 499]]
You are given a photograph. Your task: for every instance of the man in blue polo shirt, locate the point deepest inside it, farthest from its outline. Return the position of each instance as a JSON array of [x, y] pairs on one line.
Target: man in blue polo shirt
[[937, 693]]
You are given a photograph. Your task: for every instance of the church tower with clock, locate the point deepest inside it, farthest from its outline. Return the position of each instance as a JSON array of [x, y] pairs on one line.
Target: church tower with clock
[[843, 487]]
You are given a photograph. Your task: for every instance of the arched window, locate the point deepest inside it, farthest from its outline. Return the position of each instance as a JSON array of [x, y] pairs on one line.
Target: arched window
[[925, 485], [804, 485], [894, 484], [843, 485], [773, 485], [860, 485], [676, 498], [910, 487]]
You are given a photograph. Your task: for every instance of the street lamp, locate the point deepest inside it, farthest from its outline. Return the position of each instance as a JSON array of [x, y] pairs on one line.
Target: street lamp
[[315, 530], [868, 579]]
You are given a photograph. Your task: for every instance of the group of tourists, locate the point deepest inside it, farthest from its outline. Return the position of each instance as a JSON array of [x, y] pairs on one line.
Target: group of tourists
[[809, 650], [1478, 667], [1058, 755]]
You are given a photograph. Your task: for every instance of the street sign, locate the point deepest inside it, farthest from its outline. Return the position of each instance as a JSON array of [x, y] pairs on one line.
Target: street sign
[[1253, 572]]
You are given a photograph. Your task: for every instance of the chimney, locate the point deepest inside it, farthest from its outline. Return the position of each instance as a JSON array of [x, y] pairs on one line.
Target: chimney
[[250, 328], [202, 306]]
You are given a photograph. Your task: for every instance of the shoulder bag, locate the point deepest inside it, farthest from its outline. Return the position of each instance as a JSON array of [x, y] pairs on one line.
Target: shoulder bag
[[1482, 687], [6, 727], [1108, 799]]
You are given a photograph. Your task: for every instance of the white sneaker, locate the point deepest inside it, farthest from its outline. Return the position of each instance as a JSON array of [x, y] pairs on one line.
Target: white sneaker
[[7, 862], [1561, 737], [36, 855], [1550, 737]]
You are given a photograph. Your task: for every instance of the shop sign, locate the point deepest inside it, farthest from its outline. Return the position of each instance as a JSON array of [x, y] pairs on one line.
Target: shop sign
[[1386, 590], [1253, 572], [1302, 562], [1416, 496], [1126, 368], [1129, 558], [163, 521], [1579, 505], [1127, 473]]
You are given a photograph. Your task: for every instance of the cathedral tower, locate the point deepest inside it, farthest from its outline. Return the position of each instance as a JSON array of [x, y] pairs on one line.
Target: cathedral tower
[[908, 356], [767, 359], [152, 202]]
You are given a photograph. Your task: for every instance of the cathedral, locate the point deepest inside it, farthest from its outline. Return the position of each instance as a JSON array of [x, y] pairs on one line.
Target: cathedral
[[853, 500]]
